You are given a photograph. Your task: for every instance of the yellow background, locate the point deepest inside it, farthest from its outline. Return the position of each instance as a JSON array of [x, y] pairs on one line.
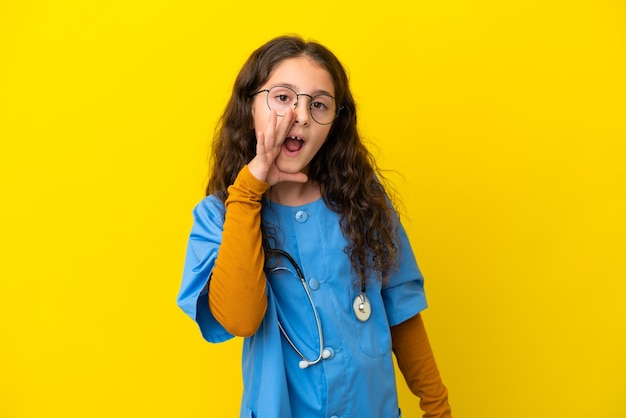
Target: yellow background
[[504, 119]]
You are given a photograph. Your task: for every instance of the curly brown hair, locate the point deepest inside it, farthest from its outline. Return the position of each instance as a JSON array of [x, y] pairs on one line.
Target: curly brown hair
[[344, 167]]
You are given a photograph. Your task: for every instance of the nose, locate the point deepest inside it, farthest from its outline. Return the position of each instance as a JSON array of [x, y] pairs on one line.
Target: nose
[[302, 110]]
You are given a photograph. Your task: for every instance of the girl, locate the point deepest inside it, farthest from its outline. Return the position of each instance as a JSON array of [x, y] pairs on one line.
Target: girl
[[297, 248]]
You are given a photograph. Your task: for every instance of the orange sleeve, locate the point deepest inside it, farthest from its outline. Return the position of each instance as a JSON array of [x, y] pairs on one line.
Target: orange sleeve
[[237, 296], [417, 364]]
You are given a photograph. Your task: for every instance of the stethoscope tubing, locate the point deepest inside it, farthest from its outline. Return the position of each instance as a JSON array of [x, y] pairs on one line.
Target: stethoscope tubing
[[305, 362]]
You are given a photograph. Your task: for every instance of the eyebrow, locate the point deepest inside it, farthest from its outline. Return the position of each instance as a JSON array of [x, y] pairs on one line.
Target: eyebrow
[[292, 87]]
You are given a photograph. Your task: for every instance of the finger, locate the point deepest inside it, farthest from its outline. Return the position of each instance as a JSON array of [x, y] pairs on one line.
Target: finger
[[295, 177], [260, 142], [284, 125], [270, 136]]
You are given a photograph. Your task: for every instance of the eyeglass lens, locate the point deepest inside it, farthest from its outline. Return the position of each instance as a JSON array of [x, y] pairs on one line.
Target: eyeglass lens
[[322, 107]]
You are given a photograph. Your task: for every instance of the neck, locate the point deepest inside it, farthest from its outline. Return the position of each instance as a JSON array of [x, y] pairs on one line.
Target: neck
[[295, 194]]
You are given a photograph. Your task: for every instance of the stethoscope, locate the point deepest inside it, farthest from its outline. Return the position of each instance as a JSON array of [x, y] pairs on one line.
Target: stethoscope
[[361, 306]]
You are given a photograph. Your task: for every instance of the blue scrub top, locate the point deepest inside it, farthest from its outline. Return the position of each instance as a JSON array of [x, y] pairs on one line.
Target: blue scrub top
[[358, 379]]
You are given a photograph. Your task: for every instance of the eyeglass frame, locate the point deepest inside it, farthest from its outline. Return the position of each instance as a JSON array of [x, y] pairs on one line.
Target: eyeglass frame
[[267, 101]]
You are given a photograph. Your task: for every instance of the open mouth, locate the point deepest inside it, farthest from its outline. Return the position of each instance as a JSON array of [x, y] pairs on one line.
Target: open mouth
[[293, 143]]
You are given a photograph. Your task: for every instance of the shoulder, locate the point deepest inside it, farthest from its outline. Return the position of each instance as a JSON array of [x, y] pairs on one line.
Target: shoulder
[[209, 208], [208, 217]]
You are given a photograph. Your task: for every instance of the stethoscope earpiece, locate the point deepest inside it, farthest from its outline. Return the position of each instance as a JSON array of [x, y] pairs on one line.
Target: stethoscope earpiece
[[326, 354]]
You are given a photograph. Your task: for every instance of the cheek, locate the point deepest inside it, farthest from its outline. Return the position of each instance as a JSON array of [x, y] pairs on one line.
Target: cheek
[[258, 121], [325, 134]]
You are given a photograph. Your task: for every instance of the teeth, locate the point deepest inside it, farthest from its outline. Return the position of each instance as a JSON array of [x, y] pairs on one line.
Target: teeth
[[296, 138]]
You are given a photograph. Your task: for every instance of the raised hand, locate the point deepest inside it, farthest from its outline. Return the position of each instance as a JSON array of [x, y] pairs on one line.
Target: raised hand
[[269, 144]]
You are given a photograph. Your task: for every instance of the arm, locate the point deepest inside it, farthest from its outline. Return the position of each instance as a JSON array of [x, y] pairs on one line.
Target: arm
[[238, 298], [417, 364]]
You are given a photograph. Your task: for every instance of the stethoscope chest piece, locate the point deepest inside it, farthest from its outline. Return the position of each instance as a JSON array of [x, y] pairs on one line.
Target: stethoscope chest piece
[[362, 307]]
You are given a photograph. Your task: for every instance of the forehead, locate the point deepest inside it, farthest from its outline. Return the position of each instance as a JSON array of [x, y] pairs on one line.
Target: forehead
[[304, 74]]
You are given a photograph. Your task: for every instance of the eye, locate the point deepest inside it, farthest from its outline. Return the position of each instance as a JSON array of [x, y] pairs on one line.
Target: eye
[[322, 103], [319, 106], [281, 98]]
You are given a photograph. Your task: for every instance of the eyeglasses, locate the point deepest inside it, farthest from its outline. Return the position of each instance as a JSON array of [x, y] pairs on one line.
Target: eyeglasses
[[322, 107]]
